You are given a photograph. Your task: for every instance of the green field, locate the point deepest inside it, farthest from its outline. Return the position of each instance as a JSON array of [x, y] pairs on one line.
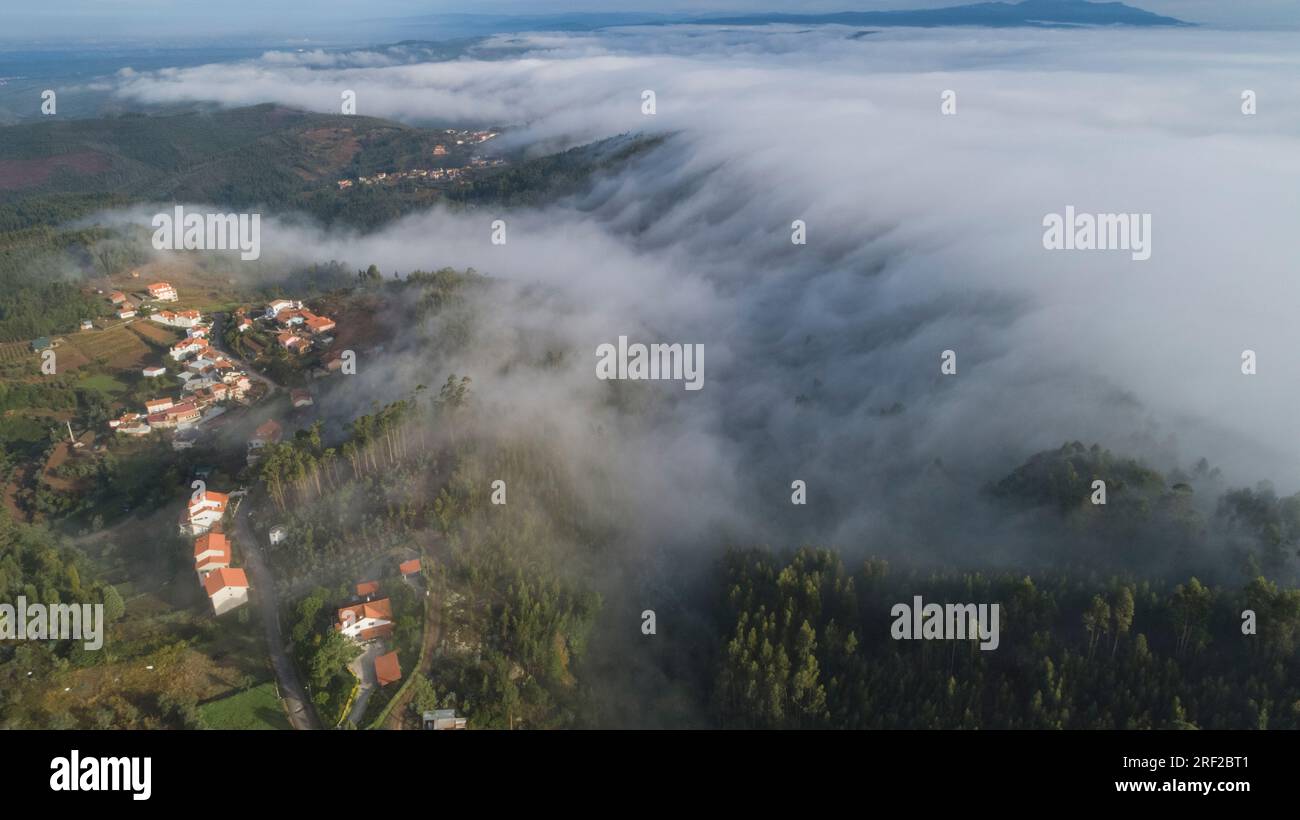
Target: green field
[[255, 708], [102, 382]]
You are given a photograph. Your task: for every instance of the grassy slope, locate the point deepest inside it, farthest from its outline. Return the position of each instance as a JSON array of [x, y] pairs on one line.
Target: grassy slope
[[255, 708]]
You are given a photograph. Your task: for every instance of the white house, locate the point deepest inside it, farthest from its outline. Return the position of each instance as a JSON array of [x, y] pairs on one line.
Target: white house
[[158, 405], [154, 372], [268, 433], [184, 318], [203, 512], [365, 621], [185, 347], [278, 533], [162, 291], [227, 588], [281, 304], [211, 553]]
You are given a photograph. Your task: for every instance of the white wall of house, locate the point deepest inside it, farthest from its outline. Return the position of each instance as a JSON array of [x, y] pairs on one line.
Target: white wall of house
[[228, 598], [354, 630]]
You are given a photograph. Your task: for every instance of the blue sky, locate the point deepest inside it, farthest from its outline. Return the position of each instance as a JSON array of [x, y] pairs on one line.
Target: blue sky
[[49, 21]]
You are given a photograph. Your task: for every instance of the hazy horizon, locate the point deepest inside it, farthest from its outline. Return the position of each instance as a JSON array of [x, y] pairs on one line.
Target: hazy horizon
[[340, 22]]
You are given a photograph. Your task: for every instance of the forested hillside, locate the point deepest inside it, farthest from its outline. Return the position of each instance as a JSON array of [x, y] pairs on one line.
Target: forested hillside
[[1151, 522], [805, 642]]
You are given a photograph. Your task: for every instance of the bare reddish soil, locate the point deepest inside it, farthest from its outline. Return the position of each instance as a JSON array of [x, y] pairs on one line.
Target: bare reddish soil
[[26, 173]]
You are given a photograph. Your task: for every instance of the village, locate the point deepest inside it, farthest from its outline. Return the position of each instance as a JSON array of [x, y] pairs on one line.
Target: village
[[367, 620], [211, 381], [426, 174], [434, 174], [187, 380]]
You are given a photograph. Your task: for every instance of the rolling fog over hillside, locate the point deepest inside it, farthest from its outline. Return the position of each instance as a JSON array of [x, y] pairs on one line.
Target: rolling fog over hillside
[[924, 235]]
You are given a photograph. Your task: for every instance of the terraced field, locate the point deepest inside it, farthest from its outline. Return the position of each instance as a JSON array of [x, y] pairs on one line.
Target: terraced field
[[117, 347], [14, 351]]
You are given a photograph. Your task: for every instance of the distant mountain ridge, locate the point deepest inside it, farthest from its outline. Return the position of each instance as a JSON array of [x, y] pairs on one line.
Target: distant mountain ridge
[[1028, 13], [1036, 13]]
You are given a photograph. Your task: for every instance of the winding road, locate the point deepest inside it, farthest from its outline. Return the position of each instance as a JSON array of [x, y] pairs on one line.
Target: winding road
[[301, 715], [217, 340]]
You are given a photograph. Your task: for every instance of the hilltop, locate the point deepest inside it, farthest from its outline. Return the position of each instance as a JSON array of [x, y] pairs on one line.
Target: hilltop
[[264, 155]]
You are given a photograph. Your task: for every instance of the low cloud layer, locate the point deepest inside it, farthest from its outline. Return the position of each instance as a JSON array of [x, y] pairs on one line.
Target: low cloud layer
[[924, 234]]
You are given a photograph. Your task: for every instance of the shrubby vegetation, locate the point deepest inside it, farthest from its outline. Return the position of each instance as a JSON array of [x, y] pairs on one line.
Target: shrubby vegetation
[[34, 564]]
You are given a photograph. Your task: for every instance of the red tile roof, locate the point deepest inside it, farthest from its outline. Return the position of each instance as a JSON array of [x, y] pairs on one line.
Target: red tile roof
[[212, 496], [224, 577], [381, 609], [368, 588], [387, 670], [407, 567], [382, 631], [211, 541]]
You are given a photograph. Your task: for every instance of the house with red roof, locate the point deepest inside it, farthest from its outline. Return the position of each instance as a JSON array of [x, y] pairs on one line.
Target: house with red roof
[[211, 553], [227, 588], [288, 318], [204, 511], [268, 433], [387, 670], [162, 291], [183, 415], [265, 435], [293, 343], [409, 567], [318, 324], [367, 588], [185, 319], [366, 621], [185, 347], [278, 305]]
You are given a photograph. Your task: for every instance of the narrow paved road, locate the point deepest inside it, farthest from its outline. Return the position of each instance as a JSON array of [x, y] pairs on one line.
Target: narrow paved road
[[263, 584], [218, 341], [364, 668]]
